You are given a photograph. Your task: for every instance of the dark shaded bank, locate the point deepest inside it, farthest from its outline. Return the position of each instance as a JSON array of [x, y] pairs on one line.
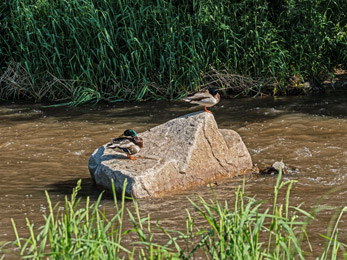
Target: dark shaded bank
[[87, 51]]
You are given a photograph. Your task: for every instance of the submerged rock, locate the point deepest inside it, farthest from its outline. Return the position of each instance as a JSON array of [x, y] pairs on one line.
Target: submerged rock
[[183, 152], [275, 168]]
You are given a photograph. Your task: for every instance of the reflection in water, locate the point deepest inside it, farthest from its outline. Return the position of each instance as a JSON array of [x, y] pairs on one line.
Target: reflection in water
[[48, 149]]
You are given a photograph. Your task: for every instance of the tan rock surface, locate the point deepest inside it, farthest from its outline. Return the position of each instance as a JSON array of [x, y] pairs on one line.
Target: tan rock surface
[[183, 152]]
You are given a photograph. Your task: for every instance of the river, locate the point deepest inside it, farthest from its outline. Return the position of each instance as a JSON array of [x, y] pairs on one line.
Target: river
[[45, 148]]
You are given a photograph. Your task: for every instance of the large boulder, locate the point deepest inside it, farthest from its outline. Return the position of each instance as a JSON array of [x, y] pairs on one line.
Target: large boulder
[[181, 153]]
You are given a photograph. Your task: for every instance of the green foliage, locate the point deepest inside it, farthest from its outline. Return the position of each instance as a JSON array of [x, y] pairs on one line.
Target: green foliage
[[87, 51], [75, 232], [246, 230]]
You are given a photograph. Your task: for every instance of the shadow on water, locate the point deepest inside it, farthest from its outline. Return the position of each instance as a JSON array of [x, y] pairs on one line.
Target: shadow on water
[[88, 188]]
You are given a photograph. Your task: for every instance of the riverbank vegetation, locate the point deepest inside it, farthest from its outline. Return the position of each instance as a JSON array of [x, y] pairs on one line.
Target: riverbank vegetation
[[87, 51], [246, 229]]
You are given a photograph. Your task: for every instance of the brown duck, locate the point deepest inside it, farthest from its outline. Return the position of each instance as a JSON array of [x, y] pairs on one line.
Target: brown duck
[[206, 98]]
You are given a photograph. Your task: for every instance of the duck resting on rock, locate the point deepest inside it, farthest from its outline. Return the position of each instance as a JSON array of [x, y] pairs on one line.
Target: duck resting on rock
[[128, 143], [206, 98]]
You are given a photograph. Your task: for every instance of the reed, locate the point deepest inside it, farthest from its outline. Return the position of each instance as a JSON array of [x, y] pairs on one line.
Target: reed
[[74, 51], [76, 232], [244, 230]]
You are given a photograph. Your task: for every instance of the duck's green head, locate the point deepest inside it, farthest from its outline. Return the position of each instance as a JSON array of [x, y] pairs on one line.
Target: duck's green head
[[130, 132]]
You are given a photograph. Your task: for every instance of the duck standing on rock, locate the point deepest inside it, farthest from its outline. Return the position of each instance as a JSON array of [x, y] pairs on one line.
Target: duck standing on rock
[[128, 143], [206, 98]]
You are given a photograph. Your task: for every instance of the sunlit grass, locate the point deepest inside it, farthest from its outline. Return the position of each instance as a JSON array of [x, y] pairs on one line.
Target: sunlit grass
[[75, 232], [245, 229], [75, 52]]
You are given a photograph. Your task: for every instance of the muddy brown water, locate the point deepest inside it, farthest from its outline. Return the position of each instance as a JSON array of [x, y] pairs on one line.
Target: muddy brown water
[[48, 149]]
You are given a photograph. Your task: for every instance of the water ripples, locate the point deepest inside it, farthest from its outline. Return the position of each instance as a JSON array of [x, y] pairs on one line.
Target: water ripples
[[48, 149]]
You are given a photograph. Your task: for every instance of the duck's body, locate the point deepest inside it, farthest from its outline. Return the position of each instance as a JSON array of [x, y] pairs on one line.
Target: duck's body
[[128, 143], [206, 98]]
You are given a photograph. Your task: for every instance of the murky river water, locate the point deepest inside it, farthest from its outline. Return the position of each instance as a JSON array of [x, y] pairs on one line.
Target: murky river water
[[48, 149]]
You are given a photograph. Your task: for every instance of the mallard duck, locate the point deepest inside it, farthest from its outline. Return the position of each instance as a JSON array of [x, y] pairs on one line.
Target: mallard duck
[[206, 98], [128, 143]]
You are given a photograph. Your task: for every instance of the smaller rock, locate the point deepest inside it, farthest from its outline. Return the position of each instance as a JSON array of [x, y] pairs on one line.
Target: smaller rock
[[275, 168]]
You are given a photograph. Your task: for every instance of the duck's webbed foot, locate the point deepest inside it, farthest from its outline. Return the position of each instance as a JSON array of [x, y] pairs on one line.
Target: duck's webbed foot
[[208, 111], [131, 158]]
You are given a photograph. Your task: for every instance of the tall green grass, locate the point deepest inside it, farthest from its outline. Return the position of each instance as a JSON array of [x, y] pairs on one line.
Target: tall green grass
[[244, 230], [88, 51], [75, 232]]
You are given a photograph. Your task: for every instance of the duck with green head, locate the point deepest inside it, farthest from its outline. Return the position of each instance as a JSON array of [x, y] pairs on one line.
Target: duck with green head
[[206, 98], [128, 143]]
